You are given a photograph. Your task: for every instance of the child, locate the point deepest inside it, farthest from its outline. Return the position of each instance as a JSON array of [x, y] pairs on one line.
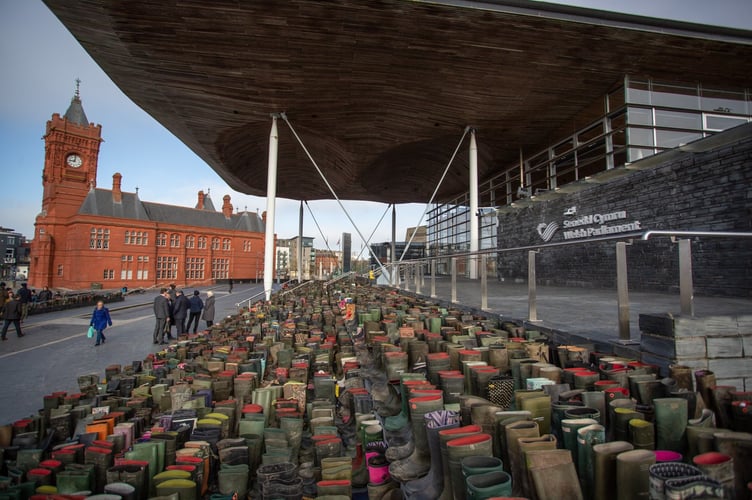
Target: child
[[100, 319]]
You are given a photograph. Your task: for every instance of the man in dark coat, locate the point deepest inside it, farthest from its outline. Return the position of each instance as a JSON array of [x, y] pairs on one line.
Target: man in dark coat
[[12, 314], [162, 314], [196, 305], [180, 311], [24, 297]]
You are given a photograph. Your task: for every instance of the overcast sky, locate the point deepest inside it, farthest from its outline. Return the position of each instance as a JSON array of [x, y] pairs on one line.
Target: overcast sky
[[41, 61]]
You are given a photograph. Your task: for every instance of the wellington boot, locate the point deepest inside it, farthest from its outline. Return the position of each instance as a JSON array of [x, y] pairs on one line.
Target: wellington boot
[[515, 431], [336, 468], [688, 488], [738, 445], [418, 463], [661, 472], [504, 419], [642, 434], [587, 437], [720, 467], [444, 437], [632, 476], [553, 475], [340, 487], [619, 420], [184, 487], [720, 397], [485, 416], [489, 485], [480, 465], [457, 449], [596, 400], [683, 377], [671, 422], [6, 435], [400, 444], [540, 410], [604, 468], [383, 490], [704, 380], [124, 490], [501, 390], [569, 427], [543, 443], [430, 486], [557, 415], [233, 480]]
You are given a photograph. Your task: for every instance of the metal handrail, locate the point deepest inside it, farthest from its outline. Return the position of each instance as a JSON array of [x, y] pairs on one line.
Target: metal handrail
[[712, 234], [251, 299], [305, 283], [339, 278]]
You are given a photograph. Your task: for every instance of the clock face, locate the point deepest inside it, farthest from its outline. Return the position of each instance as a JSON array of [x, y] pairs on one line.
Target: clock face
[[74, 161]]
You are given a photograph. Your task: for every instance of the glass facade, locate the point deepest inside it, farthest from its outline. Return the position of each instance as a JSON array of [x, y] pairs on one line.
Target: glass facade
[[640, 118]]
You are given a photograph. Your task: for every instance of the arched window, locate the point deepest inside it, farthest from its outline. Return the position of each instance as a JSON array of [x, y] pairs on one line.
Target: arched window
[[161, 239], [215, 243], [190, 241], [226, 244]]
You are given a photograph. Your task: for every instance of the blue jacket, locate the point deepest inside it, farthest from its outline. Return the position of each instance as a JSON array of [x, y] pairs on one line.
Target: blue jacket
[[100, 318], [196, 304]]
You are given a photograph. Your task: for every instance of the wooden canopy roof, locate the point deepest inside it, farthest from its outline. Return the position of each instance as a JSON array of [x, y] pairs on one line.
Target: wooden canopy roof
[[380, 91]]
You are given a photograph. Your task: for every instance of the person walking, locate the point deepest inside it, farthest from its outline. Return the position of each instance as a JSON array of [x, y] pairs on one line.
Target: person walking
[[162, 315], [180, 311], [12, 314], [230, 283], [24, 297], [100, 319], [208, 315], [196, 306]]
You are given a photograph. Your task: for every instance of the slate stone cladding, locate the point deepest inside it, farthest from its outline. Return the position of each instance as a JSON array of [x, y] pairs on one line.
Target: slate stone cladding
[[707, 191]]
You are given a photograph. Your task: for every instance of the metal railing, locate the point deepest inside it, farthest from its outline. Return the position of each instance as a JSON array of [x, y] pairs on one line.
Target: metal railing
[[340, 278], [251, 299], [412, 270]]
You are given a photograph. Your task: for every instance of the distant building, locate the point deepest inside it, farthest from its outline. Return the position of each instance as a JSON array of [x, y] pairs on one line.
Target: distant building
[[15, 252], [309, 257], [86, 237]]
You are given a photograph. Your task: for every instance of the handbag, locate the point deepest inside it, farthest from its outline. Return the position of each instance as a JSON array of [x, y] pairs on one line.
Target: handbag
[[91, 332]]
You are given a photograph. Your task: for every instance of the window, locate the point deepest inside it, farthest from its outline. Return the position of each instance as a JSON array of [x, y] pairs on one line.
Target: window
[[194, 268], [190, 241], [175, 240], [226, 244], [718, 123], [220, 268], [59, 269], [99, 238], [202, 242], [108, 274], [167, 267], [246, 246], [135, 238], [161, 239], [215, 244], [126, 274]]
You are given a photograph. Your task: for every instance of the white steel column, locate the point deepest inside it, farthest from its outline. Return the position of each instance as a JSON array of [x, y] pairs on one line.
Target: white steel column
[[473, 164], [271, 202], [393, 260]]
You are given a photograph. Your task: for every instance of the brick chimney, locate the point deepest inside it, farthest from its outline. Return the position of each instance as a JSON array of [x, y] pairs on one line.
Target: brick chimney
[[200, 204], [117, 194], [227, 206]]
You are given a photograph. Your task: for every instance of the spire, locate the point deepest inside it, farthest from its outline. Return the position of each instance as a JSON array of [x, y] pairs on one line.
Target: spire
[[75, 113]]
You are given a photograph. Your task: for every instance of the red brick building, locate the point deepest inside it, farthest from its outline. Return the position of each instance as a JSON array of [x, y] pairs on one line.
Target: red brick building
[[86, 236]]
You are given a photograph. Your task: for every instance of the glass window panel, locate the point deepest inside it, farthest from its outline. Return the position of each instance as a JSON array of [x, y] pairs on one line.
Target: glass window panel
[[673, 138], [676, 119], [715, 122], [672, 96], [723, 101], [640, 136], [640, 116], [638, 93], [616, 99]]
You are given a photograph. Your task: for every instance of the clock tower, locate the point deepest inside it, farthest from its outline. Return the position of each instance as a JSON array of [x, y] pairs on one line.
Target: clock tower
[[71, 152]]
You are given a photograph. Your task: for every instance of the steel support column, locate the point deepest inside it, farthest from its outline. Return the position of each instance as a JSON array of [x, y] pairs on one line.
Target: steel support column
[[532, 308], [300, 244], [393, 258], [454, 280], [271, 202], [686, 285], [474, 219], [433, 278], [483, 283], [622, 290]]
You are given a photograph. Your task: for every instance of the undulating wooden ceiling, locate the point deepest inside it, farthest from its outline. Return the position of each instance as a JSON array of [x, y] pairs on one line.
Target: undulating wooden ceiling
[[380, 91]]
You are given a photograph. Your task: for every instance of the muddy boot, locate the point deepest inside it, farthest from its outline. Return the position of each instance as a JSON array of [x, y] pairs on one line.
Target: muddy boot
[[430, 486], [569, 430], [503, 420], [457, 449], [720, 467], [720, 397], [683, 377], [705, 379], [542, 443], [339, 487], [642, 434], [383, 491], [738, 445], [444, 437], [400, 444], [553, 475], [604, 468], [515, 431], [632, 476], [485, 417], [472, 466], [418, 463]]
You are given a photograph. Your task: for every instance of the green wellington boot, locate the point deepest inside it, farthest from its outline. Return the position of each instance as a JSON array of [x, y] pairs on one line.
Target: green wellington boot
[[545, 442], [632, 476], [569, 427], [515, 431], [444, 437], [457, 449], [418, 463], [553, 475], [671, 423], [587, 437], [489, 485], [604, 468], [642, 434]]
